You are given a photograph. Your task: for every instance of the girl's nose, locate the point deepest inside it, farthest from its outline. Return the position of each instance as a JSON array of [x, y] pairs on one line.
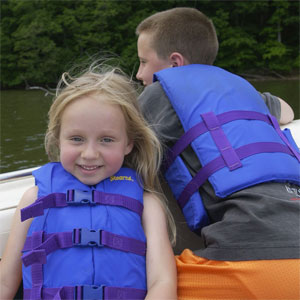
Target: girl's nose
[[90, 151]]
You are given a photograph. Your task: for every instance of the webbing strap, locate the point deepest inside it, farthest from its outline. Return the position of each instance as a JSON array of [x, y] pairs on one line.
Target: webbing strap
[[201, 128], [219, 163], [37, 208], [283, 137], [76, 197], [229, 155], [87, 292], [37, 269], [78, 237]]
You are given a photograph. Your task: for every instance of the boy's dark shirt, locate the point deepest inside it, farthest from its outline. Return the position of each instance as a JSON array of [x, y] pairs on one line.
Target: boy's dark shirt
[[260, 222]]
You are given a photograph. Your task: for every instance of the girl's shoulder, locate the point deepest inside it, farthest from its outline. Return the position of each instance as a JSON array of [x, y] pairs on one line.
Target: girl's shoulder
[[28, 197]]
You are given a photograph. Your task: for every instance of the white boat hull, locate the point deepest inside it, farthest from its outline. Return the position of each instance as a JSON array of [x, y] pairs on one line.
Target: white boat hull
[[11, 191]]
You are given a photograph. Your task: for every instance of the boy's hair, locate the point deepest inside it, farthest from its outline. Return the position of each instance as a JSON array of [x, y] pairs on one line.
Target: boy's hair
[[120, 90], [184, 30]]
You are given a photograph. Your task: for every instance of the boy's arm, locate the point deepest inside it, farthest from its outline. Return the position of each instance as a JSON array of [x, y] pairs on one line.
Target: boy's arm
[[10, 264], [278, 108], [160, 260], [287, 113]]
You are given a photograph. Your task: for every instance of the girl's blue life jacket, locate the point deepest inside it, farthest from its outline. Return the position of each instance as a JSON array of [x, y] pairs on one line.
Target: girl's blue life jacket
[[229, 127], [85, 242]]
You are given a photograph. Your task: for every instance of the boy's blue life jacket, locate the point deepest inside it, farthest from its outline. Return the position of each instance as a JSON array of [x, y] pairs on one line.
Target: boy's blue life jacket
[[229, 127], [85, 242]]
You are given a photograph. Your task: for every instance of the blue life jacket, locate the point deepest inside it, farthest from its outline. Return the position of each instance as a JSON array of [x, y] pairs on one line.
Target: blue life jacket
[[227, 124], [85, 242]]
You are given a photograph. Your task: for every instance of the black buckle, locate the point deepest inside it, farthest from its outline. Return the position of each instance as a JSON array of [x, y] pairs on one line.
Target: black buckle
[[76, 197], [87, 237]]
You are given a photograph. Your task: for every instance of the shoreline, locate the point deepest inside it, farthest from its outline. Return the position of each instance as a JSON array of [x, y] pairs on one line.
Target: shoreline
[[259, 77], [249, 75], [267, 78]]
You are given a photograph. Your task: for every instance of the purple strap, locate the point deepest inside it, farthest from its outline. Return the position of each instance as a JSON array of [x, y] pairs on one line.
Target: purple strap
[[283, 137], [201, 128], [49, 243], [123, 293], [37, 208], [88, 292], [76, 197], [229, 155], [219, 163], [37, 270], [78, 237], [122, 243]]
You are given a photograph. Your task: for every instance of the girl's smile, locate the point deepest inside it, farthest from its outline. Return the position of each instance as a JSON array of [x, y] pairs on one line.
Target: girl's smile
[[89, 168]]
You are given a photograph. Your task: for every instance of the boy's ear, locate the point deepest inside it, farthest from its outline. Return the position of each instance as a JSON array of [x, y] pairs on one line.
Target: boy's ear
[[177, 59]]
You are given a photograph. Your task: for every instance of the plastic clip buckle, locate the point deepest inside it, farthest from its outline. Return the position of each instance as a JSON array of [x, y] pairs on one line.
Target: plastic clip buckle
[[80, 197], [92, 292], [88, 237]]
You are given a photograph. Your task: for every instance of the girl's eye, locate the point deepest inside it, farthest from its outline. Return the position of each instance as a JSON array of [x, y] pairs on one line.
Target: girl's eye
[[76, 139], [106, 140]]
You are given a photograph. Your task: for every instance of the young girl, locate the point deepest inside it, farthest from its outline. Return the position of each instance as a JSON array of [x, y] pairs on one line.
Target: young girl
[[93, 227]]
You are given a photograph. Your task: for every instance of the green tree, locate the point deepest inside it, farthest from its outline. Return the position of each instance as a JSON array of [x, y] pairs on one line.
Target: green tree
[[276, 51], [40, 39]]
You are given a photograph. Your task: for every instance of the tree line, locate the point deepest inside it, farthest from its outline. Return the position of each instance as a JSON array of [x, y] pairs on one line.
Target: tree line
[[40, 39]]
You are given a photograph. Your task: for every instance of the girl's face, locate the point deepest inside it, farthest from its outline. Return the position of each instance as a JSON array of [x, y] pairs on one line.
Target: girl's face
[[93, 139]]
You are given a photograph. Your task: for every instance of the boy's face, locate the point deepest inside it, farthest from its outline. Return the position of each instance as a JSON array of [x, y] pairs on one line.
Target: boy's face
[[149, 61]]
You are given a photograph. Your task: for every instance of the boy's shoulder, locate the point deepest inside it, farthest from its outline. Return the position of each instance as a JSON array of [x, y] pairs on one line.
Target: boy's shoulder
[[153, 99], [154, 89]]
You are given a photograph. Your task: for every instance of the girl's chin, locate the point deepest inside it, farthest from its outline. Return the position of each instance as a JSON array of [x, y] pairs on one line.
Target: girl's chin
[[89, 181], [89, 178]]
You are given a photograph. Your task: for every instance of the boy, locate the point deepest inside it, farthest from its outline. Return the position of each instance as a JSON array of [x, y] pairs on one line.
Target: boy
[[237, 201]]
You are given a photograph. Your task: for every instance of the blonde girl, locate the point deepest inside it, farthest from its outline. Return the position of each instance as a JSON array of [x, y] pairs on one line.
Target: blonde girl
[[102, 151]]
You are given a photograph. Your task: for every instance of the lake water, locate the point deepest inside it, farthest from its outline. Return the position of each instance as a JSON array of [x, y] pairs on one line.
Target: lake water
[[24, 122]]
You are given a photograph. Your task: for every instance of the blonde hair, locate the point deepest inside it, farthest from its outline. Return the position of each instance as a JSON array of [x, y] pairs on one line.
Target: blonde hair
[[119, 89], [185, 30]]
